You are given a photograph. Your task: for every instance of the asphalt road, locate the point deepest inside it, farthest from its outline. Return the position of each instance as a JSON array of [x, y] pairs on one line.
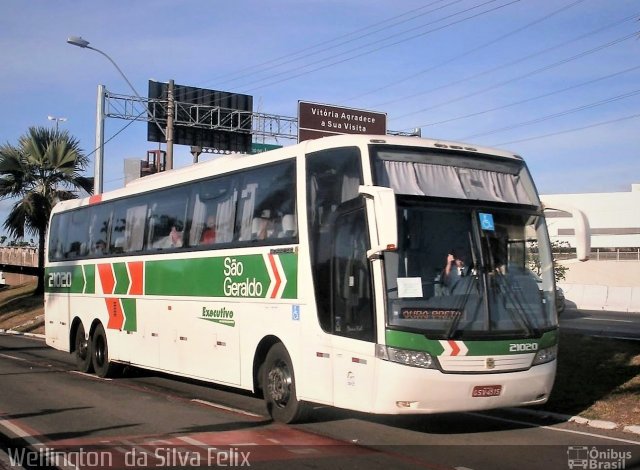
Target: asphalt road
[[155, 421], [623, 325]]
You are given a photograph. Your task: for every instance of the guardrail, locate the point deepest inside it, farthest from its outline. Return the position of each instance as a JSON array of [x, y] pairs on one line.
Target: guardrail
[[600, 254]]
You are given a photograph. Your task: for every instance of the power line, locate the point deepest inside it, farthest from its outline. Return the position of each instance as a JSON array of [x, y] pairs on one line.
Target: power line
[[469, 52], [393, 36], [575, 129], [277, 62], [517, 78], [509, 64], [527, 100], [116, 134], [296, 75], [331, 64], [552, 116], [360, 47]]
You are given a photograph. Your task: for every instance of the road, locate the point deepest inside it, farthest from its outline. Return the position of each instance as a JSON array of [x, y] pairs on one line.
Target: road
[[151, 420], [621, 325]]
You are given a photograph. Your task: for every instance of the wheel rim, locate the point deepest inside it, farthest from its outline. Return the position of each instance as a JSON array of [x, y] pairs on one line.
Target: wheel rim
[[279, 383], [82, 345], [100, 352]]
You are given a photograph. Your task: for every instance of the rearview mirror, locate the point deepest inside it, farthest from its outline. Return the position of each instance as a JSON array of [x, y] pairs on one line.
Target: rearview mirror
[[384, 206]]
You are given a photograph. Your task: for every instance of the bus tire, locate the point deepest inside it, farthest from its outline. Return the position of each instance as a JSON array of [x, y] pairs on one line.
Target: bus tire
[[83, 351], [100, 354], [279, 387]]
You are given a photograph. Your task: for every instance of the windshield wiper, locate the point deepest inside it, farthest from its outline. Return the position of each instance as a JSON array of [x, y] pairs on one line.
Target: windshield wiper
[[506, 289], [453, 327]]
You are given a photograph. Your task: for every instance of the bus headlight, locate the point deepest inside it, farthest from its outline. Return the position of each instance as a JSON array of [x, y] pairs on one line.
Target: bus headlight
[[546, 355], [405, 356]]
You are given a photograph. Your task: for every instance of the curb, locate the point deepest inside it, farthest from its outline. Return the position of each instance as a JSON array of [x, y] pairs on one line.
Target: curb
[[20, 333], [593, 423]]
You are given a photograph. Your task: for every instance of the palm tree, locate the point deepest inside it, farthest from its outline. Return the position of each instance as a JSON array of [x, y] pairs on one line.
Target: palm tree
[[44, 168]]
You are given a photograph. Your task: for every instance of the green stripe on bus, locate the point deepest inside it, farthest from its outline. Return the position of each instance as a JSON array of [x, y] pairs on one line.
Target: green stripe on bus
[[289, 263], [77, 280], [418, 342], [122, 278], [90, 278], [413, 341], [68, 279], [130, 314], [242, 276]]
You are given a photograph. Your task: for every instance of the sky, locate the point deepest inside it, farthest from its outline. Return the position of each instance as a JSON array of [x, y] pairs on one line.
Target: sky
[[555, 81]]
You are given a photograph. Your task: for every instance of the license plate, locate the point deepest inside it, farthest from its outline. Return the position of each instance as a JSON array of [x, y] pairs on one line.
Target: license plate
[[486, 391]]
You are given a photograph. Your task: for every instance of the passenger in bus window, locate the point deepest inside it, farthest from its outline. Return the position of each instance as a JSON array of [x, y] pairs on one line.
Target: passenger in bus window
[[175, 237], [99, 248], [209, 233], [262, 226]]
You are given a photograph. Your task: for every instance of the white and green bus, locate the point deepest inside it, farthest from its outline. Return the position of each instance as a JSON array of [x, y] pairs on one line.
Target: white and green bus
[[374, 273]]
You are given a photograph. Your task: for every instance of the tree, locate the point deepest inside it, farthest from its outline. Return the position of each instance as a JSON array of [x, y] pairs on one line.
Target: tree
[[561, 248], [45, 167]]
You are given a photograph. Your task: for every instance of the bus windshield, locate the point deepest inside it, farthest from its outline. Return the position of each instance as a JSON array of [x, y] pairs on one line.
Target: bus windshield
[[469, 272]]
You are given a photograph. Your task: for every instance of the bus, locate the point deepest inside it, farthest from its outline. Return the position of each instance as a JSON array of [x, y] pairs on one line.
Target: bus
[[383, 274]]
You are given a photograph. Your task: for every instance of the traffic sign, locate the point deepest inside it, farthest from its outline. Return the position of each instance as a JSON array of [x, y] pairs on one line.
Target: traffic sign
[[317, 120]]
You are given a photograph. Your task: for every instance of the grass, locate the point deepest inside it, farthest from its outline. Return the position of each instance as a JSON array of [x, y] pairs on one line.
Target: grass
[[20, 310], [597, 378]]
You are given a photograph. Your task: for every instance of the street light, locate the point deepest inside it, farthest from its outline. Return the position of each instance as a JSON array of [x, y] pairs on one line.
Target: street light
[[57, 120], [84, 44]]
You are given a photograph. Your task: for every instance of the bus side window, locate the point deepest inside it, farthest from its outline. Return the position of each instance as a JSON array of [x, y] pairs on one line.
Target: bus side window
[[57, 234], [99, 229], [77, 235], [167, 219], [118, 227], [267, 195], [134, 231]]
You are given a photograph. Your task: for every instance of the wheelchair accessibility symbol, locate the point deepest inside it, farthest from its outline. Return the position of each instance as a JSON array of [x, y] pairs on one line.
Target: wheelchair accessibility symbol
[[486, 222]]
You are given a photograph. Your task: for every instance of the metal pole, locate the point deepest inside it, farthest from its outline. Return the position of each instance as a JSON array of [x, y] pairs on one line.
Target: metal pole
[[99, 155], [170, 112]]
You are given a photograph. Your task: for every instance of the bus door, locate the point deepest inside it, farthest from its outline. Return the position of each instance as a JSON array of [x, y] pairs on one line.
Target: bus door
[[352, 309]]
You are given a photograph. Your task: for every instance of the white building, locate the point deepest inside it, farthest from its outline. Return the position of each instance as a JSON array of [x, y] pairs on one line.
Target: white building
[[614, 218]]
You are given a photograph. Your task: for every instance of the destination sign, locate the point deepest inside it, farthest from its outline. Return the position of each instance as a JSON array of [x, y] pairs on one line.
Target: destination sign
[[426, 313]]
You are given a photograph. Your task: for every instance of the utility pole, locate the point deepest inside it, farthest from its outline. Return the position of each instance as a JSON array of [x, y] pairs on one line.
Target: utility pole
[[99, 154], [170, 116]]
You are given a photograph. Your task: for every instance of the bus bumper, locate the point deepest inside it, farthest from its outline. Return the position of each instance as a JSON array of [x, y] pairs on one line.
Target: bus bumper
[[408, 390]]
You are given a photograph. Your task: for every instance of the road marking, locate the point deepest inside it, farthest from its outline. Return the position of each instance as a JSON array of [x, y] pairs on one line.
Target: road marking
[[59, 460], [226, 408], [608, 319], [91, 376], [551, 428], [13, 357]]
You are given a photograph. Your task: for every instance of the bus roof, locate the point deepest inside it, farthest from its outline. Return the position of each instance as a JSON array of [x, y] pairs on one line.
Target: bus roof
[[363, 139], [232, 162]]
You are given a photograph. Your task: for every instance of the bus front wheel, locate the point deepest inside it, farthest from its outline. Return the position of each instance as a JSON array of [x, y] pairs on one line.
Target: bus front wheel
[[82, 350], [279, 387], [100, 354]]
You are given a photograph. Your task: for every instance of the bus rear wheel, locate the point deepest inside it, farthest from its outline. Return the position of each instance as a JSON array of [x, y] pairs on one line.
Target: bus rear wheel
[[279, 387], [82, 350], [100, 354]]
